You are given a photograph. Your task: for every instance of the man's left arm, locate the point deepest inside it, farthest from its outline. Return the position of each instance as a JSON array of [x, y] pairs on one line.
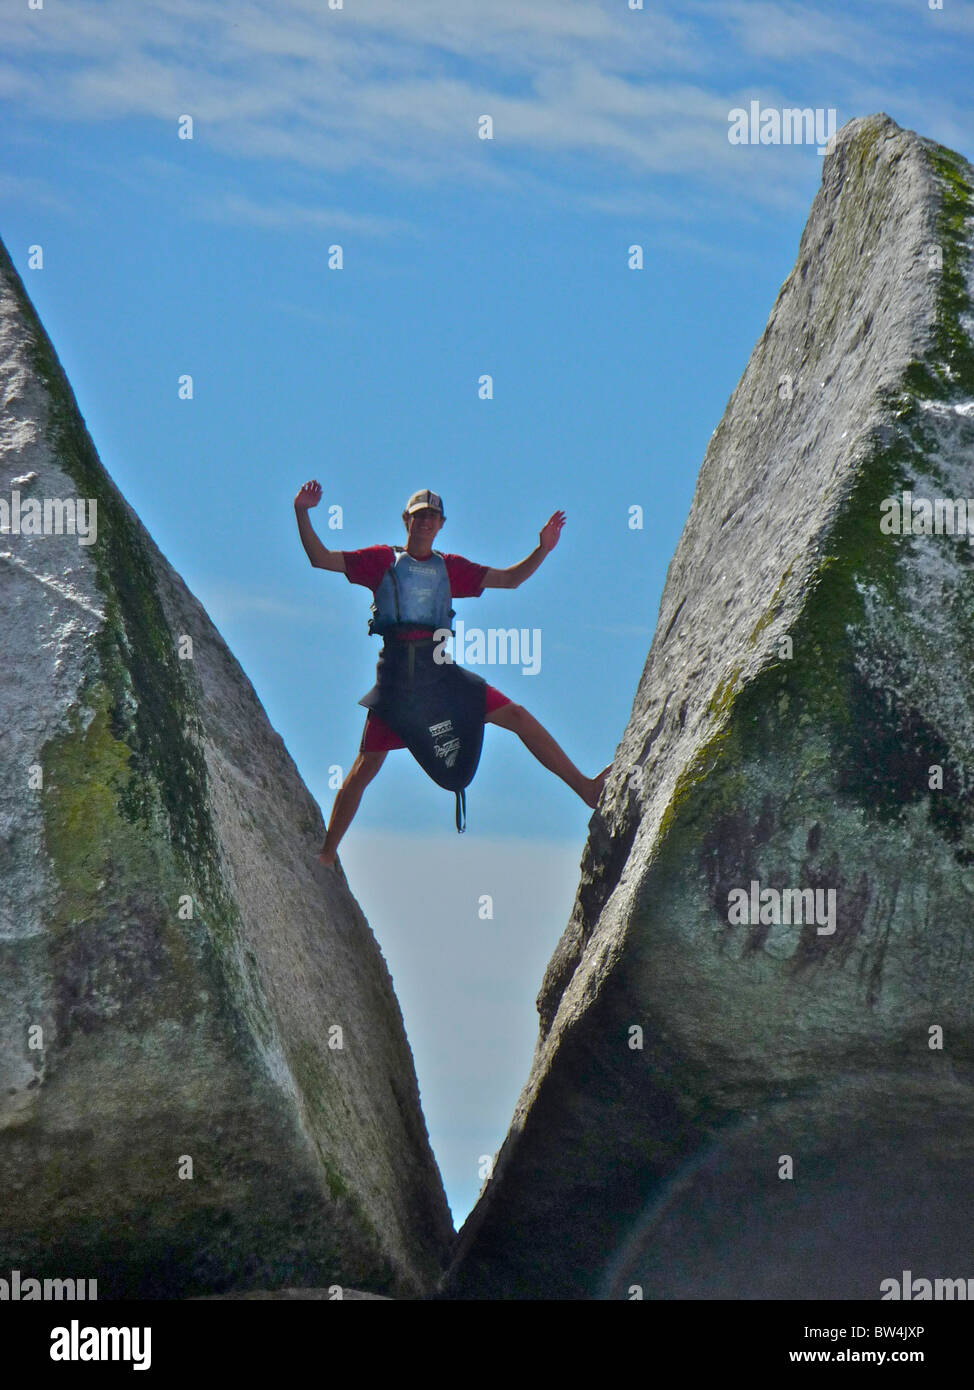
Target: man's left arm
[[516, 574]]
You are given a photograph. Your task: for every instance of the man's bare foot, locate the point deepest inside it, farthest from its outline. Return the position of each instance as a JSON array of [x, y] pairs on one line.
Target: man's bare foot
[[595, 787], [328, 857]]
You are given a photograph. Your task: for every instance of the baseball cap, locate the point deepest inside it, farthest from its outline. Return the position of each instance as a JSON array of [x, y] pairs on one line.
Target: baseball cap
[[419, 500]]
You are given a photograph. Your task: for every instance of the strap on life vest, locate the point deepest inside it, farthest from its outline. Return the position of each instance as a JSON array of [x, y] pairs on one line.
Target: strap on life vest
[[395, 592], [391, 572]]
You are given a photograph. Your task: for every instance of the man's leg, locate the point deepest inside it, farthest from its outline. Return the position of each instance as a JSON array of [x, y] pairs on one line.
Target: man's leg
[[550, 754], [364, 768]]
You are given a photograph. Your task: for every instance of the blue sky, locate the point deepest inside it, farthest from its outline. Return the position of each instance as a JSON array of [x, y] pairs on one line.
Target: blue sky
[[462, 256]]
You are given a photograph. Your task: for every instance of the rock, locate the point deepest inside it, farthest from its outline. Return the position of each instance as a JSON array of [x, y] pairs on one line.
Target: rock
[[176, 1116], [808, 675]]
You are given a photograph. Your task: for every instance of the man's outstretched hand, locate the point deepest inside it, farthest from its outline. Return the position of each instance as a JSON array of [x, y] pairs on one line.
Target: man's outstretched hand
[[309, 496], [551, 531]]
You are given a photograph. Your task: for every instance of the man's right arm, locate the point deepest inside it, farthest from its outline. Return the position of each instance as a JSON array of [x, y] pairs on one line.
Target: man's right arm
[[320, 556]]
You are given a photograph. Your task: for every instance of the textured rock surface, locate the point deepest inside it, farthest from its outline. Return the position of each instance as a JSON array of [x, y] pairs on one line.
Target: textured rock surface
[[811, 769], [129, 1035]]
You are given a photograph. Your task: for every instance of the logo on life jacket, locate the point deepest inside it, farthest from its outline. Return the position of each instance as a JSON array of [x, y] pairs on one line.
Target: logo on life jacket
[[451, 747]]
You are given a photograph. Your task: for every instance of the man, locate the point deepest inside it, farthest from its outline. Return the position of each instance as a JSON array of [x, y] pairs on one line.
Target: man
[[423, 519]]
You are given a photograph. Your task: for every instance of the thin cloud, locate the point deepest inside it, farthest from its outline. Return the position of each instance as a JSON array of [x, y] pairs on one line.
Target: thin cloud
[[237, 207], [782, 31], [34, 192], [396, 89]]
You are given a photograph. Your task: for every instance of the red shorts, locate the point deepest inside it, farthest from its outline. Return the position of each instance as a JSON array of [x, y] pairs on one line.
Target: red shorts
[[377, 737]]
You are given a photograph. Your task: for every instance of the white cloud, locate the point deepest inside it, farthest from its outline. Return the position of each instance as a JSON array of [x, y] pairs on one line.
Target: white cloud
[[394, 89], [787, 30]]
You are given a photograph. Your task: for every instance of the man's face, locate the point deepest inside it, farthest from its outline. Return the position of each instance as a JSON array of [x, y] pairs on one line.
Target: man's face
[[424, 524]]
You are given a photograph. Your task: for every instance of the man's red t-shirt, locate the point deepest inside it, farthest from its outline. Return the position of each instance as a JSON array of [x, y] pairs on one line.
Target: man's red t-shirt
[[367, 567]]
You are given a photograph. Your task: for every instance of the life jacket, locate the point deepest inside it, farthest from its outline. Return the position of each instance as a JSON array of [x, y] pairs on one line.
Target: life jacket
[[412, 593], [436, 707]]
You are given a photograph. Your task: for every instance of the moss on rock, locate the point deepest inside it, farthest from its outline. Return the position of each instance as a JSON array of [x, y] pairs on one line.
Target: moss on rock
[[880, 745], [150, 708]]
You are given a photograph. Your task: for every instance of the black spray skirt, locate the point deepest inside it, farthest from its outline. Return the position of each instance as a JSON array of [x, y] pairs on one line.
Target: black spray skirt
[[436, 708]]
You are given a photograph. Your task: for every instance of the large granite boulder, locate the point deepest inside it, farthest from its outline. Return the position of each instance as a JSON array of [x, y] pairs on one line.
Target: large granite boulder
[[204, 1080], [754, 1072]]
